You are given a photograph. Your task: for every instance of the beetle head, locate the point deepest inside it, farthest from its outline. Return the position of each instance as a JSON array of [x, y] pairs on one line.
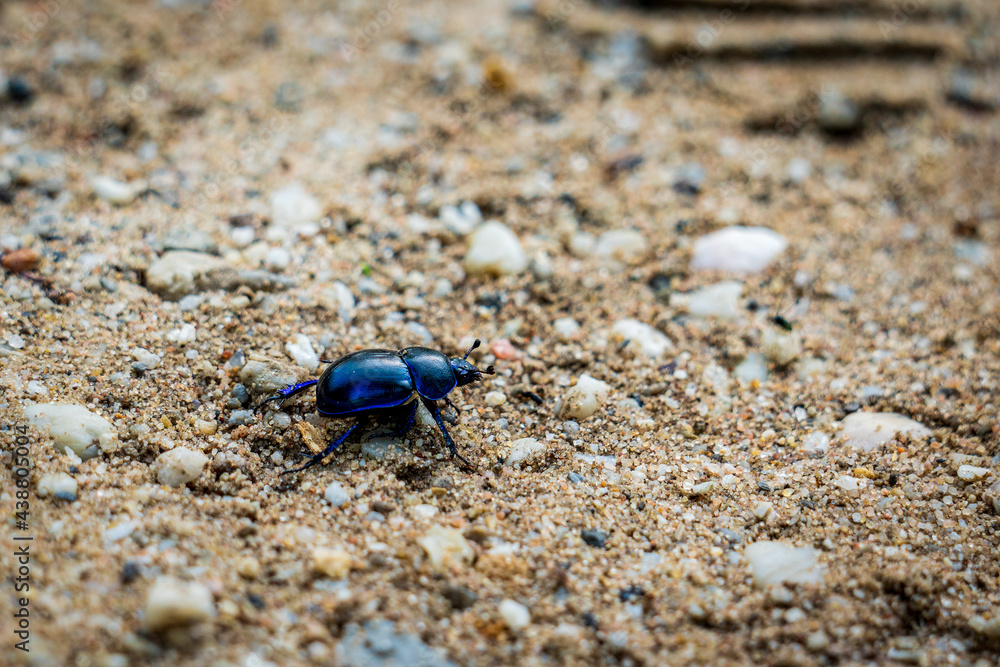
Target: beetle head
[[465, 372]]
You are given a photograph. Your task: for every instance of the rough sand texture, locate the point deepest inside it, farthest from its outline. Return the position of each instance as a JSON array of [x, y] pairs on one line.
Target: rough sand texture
[[280, 193]]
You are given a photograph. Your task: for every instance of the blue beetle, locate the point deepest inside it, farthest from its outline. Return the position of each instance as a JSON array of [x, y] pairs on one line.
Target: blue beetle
[[385, 380]]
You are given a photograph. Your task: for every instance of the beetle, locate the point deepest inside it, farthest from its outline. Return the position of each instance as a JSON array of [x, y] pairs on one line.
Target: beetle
[[379, 380]]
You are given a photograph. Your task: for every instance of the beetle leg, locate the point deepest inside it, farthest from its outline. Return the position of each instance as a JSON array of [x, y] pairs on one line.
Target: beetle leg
[[316, 458], [432, 406], [284, 394], [410, 419]]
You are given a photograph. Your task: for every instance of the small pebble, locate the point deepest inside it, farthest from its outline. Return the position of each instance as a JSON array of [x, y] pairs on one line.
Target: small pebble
[[277, 260], [185, 334], [566, 328], [642, 337], [515, 615], [689, 178], [972, 473], [583, 399], [292, 207], [179, 466], [300, 349], [704, 488], [72, 427], [460, 597], [495, 250], [777, 563], [146, 358], [35, 388], [445, 547], [179, 273], [249, 568], [336, 495], [494, 398], [174, 603], [763, 510], [621, 247], [737, 250], [332, 563], [115, 192], [837, 114], [240, 417], [22, 259], [753, 367], [57, 484], [524, 449], [594, 538], [460, 220], [720, 300], [868, 430], [816, 442], [780, 347]]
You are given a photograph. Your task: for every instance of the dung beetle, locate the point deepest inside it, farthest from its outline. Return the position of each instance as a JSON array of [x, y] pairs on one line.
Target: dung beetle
[[385, 381]]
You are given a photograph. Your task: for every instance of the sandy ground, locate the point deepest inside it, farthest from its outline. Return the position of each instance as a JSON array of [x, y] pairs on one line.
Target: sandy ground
[[865, 133]]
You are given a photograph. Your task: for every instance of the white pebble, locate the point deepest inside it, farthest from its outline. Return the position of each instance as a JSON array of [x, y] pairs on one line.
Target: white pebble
[[71, 427], [798, 170], [292, 207], [753, 367], [185, 334], [177, 273], [515, 615], [972, 473], [145, 357], [57, 483], [301, 351], [495, 398], [763, 510], [179, 466], [118, 532], [582, 399], [849, 484], [621, 246], [778, 563], [642, 337], [719, 300], [737, 249], [35, 388], [542, 266], [460, 220], [277, 259], [116, 192], [174, 603], [780, 347], [566, 328], [495, 250], [704, 488], [242, 236], [423, 511], [524, 449], [816, 442], [342, 300], [445, 547], [868, 430], [336, 495]]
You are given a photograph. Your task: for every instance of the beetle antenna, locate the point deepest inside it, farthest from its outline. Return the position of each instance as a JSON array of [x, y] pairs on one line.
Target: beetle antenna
[[474, 346], [489, 371]]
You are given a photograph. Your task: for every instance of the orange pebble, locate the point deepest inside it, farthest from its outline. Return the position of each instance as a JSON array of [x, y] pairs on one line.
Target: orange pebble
[[23, 259], [502, 349]]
